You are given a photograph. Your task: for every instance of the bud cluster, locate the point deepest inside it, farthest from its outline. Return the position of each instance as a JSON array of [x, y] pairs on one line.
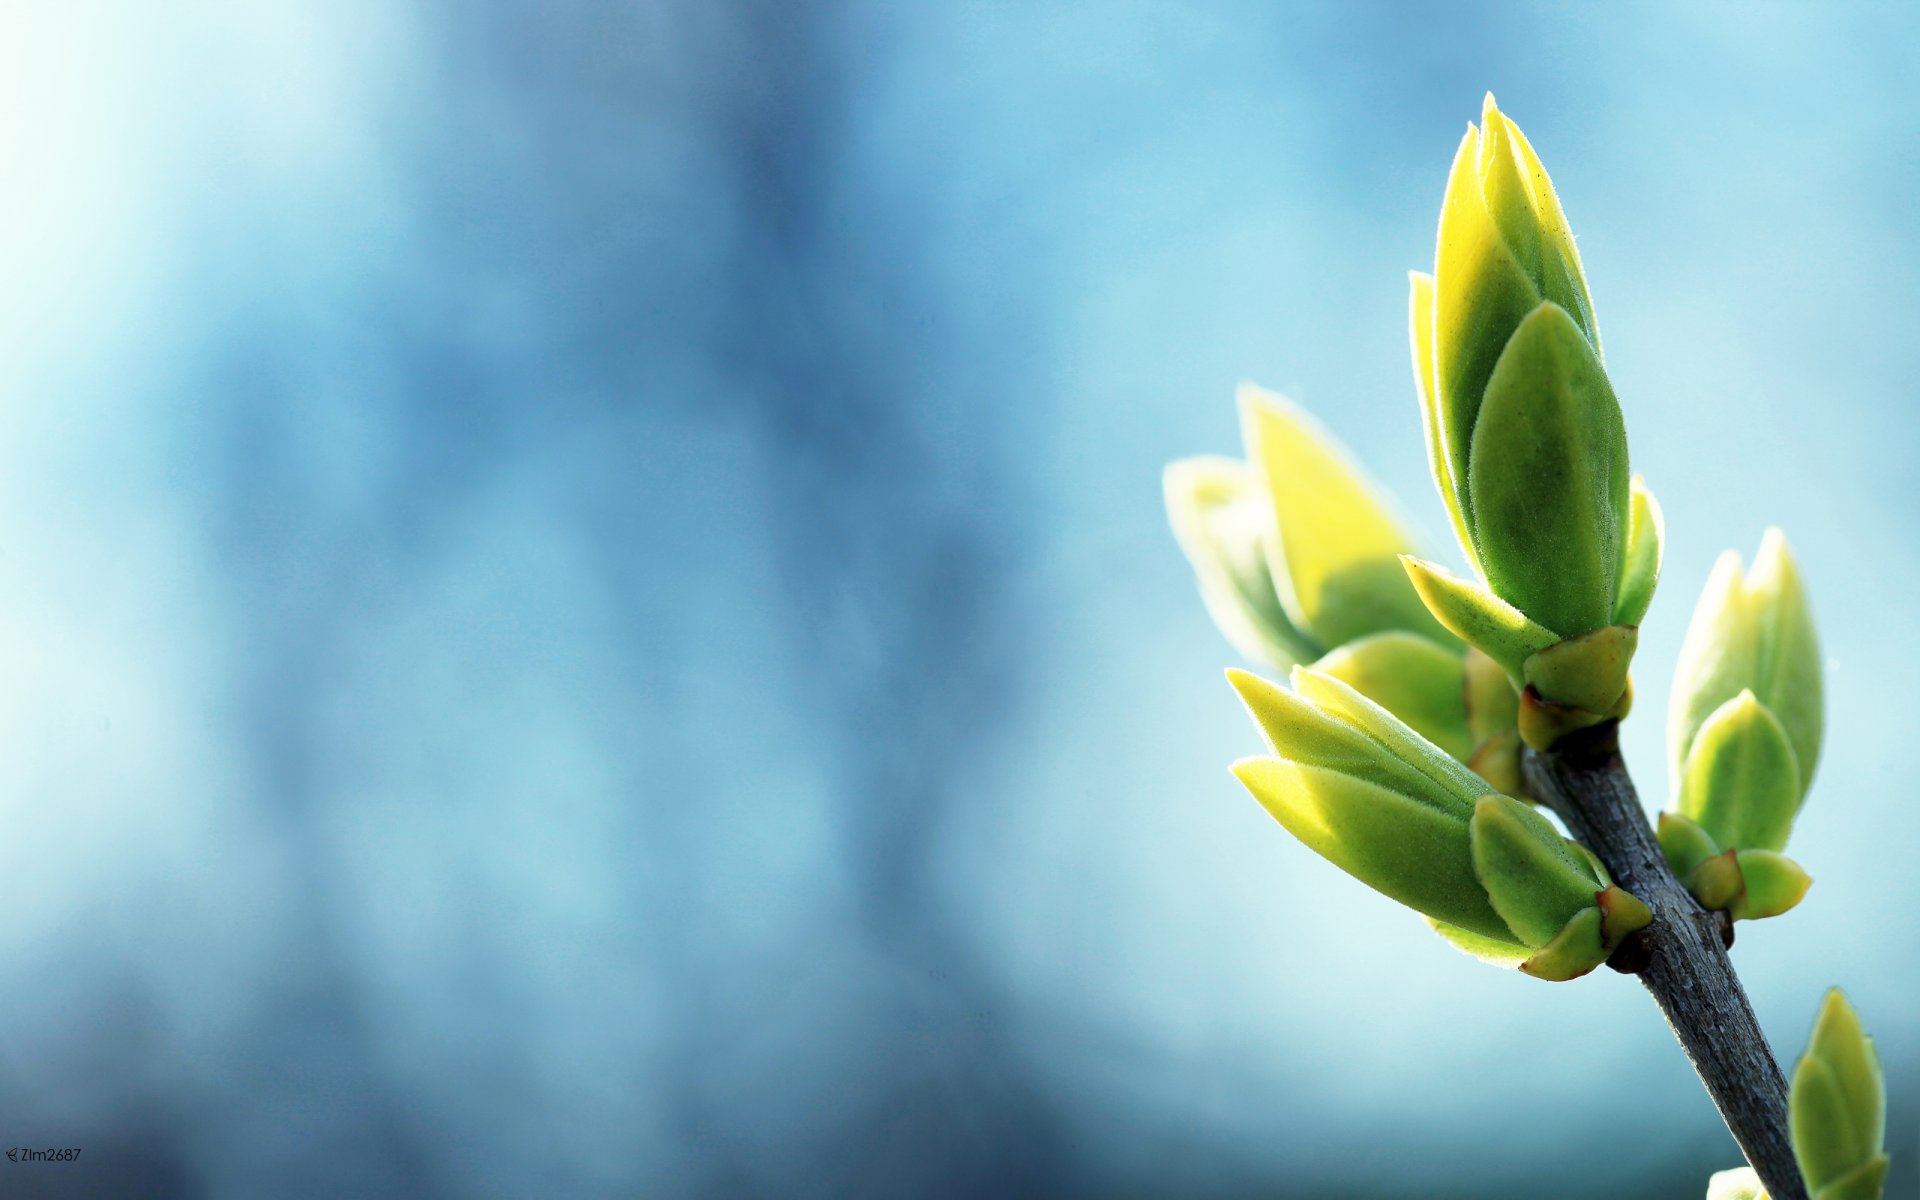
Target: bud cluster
[[1368, 793], [1745, 735]]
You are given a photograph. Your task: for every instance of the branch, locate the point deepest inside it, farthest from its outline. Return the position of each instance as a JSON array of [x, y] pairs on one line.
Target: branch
[[1682, 956]]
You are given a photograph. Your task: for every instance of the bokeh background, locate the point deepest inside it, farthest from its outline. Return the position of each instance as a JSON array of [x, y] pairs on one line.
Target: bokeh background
[[585, 612]]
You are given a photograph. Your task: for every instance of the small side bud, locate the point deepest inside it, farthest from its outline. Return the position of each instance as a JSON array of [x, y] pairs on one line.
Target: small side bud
[[1575, 951], [1370, 795], [1589, 671], [1498, 761], [1492, 702], [1716, 882], [1685, 844], [1773, 883], [1751, 631], [1837, 1108]]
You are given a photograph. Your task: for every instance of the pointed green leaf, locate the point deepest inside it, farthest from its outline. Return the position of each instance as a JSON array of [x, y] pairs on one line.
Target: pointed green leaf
[[1563, 279], [1646, 534], [1505, 190], [1481, 294], [1504, 247], [1548, 480], [1219, 517], [1788, 681], [1391, 735], [1480, 618], [1741, 783], [1412, 678], [1334, 542], [1299, 729], [1533, 881], [1401, 848]]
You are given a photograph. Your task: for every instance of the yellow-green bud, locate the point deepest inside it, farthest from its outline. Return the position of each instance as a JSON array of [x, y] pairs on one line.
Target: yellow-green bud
[[1748, 885], [1752, 632], [1368, 794], [1525, 437], [1837, 1108], [1746, 725]]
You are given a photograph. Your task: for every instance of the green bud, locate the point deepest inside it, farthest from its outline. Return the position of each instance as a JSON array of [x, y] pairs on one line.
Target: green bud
[[1220, 516], [1685, 844], [1738, 1184], [1741, 782], [1526, 440], [1716, 882], [1837, 1108], [1333, 543], [1328, 724], [1535, 882], [1751, 631], [1746, 725], [1504, 249], [1748, 885], [1498, 761], [1414, 679], [1369, 795]]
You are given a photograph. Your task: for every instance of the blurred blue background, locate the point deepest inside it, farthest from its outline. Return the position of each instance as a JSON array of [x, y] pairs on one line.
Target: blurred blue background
[[586, 611]]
